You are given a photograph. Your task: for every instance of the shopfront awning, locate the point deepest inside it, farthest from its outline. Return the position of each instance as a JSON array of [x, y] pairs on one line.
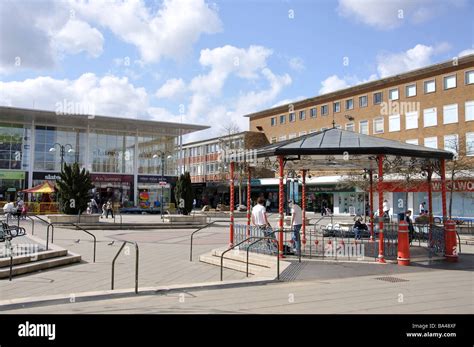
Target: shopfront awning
[[45, 187]]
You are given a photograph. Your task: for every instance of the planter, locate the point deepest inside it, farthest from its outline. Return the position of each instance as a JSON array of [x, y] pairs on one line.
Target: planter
[[73, 218]]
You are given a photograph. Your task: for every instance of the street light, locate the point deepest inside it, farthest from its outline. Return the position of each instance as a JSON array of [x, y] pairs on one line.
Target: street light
[[62, 151], [162, 155]]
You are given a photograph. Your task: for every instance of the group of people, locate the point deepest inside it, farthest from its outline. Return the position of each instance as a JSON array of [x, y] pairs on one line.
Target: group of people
[[106, 209], [20, 210]]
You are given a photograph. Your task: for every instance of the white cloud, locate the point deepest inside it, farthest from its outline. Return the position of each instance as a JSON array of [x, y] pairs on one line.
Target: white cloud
[[332, 83], [77, 36], [389, 64], [466, 52], [172, 88], [391, 14], [169, 32], [108, 95], [297, 64]]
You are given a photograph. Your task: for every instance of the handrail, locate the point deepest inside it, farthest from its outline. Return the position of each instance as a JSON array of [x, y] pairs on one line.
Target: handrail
[[32, 224], [120, 214], [47, 230], [87, 232], [199, 229], [459, 241], [136, 264], [278, 258], [246, 240]]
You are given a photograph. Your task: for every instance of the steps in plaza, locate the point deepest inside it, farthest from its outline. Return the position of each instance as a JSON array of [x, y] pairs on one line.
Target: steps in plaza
[[259, 264], [42, 260]]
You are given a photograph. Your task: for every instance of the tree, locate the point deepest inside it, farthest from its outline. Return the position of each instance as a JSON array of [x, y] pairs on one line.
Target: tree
[[184, 191], [74, 189]]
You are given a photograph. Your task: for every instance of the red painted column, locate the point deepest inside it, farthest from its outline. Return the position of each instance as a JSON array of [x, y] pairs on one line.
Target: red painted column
[[281, 196], [232, 166], [303, 205], [371, 197], [443, 189], [403, 244], [381, 258], [249, 201], [450, 241]]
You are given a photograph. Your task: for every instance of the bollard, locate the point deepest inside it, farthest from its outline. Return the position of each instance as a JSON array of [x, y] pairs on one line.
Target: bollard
[[450, 241], [403, 244]]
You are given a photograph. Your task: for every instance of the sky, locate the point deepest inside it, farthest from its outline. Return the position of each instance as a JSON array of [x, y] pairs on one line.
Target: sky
[[211, 63]]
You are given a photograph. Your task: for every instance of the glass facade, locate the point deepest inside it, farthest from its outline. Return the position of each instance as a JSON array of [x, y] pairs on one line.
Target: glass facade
[[153, 152], [111, 152], [14, 146]]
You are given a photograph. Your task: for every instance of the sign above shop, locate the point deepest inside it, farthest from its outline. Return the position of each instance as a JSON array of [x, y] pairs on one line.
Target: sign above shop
[[155, 179], [49, 176], [111, 178], [12, 175]]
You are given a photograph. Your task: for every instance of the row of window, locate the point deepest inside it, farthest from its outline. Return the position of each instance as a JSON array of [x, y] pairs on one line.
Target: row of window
[[211, 148], [429, 86]]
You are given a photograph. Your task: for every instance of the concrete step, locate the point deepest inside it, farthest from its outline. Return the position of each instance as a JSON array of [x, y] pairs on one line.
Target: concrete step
[[27, 258], [132, 226], [231, 264], [40, 265], [262, 260]]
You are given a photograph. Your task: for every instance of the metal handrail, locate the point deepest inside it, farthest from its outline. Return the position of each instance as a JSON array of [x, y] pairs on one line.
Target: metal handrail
[[47, 230], [91, 234], [120, 214], [136, 264], [278, 258], [199, 229], [246, 240]]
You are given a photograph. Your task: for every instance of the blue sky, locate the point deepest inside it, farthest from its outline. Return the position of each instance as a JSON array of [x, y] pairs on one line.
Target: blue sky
[[213, 62]]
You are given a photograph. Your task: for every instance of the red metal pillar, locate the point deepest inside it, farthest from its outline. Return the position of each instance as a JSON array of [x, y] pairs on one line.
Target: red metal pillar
[[281, 196], [303, 205], [443, 189], [249, 201], [450, 241], [381, 258], [232, 166], [403, 244], [371, 197]]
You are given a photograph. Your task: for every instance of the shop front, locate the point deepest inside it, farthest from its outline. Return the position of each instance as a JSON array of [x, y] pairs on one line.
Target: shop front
[[11, 182], [118, 188], [154, 190]]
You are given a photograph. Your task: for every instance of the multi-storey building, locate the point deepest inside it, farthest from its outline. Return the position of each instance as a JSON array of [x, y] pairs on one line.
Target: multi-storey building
[[208, 168], [124, 156], [431, 106]]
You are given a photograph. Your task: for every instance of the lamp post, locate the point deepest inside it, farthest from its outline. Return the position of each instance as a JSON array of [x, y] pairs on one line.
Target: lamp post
[[162, 155], [62, 151]]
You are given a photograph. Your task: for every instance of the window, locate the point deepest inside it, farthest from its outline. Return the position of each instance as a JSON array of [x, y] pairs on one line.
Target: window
[[393, 94], [282, 138], [377, 98], [337, 106], [431, 142], [451, 143], [324, 110], [292, 117], [430, 86], [411, 90], [274, 139], [469, 79], [412, 142], [302, 133], [430, 117], [273, 121], [378, 125], [469, 110], [314, 112], [469, 143], [291, 136], [450, 114], [363, 101], [394, 123], [302, 115], [450, 82], [364, 127], [411, 120], [349, 104], [350, 127], [282, 119]]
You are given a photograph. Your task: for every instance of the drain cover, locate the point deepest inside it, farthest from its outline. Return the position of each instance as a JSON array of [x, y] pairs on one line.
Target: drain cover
[[391, 279], [291, 272]]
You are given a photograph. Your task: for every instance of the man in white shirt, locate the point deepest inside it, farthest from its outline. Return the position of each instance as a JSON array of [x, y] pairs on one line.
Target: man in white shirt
[[296, 223], [260, 220]]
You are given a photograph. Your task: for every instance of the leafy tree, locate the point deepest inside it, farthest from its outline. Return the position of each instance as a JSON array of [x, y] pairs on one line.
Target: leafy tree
[[74, 189], [184, 191]]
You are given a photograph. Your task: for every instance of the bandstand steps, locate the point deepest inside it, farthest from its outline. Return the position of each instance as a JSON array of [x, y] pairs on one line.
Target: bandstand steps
[[254, 258], [23, 259]]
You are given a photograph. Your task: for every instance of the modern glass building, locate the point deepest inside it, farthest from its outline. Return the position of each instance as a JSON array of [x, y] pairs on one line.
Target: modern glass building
[[126, 157]]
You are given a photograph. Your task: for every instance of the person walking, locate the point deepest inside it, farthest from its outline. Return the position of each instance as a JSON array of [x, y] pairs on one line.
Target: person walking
[[296, 223], [260, 221], [104, 210], [110, 209], [411, 228]]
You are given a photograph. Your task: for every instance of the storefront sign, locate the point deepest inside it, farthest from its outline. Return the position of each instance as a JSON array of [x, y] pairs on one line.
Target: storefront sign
[[156, 179], [12, 175], [418, 186], [49, 176], [111, 178], [328, 188]]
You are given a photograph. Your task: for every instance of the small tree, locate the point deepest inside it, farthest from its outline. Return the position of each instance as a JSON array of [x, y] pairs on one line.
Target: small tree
[[184, 191], [74, 188]]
